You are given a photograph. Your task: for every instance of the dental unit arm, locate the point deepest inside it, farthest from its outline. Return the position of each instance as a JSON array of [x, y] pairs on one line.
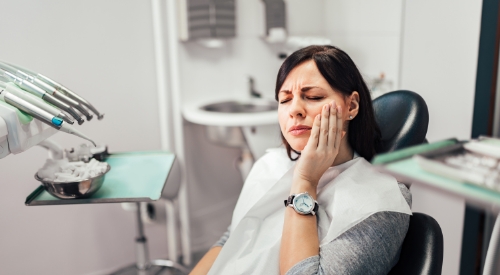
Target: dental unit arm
[[27, 120]]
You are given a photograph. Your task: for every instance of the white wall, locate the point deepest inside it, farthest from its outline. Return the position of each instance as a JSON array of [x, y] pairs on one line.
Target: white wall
[[369, 31], [103, 50], [439, 61]]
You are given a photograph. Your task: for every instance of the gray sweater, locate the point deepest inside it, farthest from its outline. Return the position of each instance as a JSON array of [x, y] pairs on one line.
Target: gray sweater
[[370, 247]]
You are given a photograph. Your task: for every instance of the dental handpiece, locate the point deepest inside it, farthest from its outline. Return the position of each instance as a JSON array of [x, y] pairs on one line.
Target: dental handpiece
[[46, 87], [61, 89], [40, 114], [30, 109], [12, 88], [31, 88]]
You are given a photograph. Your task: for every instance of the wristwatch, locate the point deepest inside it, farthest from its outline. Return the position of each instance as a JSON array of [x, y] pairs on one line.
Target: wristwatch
[[302, 203]]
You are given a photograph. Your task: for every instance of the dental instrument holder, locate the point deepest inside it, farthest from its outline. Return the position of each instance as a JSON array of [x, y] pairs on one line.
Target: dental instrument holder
[[134, 177], [39, 79], [49, 93], [405, 168], [17, 135]]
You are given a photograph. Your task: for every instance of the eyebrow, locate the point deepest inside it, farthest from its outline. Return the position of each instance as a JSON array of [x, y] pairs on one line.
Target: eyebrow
[[303, 90]]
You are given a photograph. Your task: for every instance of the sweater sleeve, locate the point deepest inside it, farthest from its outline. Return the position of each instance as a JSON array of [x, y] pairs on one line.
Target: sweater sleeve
[[370, 247], [222, 239]]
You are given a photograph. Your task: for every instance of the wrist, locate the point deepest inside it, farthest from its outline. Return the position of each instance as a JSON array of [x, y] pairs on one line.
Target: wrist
[[301, 186]]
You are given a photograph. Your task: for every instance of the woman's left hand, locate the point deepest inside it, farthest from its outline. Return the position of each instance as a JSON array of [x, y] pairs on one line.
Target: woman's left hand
[[323, 145]]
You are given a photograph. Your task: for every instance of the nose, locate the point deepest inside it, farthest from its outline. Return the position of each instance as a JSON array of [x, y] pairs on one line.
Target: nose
[[297, 108]]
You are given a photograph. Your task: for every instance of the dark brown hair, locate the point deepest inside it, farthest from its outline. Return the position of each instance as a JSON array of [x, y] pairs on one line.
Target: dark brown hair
[[343, 76]]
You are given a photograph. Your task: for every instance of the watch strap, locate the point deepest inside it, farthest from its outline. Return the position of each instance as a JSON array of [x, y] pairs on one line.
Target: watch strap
[[315, 209], [289, 200]]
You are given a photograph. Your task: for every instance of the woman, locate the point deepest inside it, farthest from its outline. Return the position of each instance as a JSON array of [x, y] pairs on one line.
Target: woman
[[342, 217]]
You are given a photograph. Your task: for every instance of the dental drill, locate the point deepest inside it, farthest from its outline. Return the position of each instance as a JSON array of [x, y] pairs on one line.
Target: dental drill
[[40, 114], [35, 90], [46, 87], [60, 88], [12, 88]]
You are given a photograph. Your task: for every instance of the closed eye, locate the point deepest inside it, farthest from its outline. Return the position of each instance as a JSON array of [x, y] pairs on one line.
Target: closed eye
[[315, 97], [284, 101]]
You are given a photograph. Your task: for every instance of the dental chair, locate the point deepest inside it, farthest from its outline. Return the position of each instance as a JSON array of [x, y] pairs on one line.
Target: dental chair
[[403, 119]]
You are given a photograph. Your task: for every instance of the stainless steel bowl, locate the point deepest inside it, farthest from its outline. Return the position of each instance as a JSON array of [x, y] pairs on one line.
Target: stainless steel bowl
[[74, 190]]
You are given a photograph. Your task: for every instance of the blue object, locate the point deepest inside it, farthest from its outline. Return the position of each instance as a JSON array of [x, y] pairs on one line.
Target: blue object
[[57, 121]]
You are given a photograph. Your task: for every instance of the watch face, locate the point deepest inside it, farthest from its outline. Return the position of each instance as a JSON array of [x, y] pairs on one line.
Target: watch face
[[303, 203]]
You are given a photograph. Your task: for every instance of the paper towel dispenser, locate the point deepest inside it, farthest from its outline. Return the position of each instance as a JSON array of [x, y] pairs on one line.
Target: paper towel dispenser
[[275, 16], [207, 19]]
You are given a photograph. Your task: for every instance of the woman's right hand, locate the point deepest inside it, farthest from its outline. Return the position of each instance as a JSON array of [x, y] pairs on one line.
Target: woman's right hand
[[322, 147]]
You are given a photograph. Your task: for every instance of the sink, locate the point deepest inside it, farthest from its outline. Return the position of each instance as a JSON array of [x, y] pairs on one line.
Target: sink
[[232, 106], [250, 124], [232, 112], [246, 123]]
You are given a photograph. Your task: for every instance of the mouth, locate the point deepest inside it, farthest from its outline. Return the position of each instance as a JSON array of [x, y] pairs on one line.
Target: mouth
[[299, 130]]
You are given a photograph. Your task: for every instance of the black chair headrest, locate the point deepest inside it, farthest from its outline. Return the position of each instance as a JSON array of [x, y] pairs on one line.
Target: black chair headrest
[[402, 117]]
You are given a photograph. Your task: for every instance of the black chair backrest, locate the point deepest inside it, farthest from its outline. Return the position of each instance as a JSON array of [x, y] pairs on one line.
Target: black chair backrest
[[402, 117], [422, 250]]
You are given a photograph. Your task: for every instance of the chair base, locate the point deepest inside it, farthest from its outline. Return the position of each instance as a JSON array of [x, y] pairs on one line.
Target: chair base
[[156, 267], [143, 266]]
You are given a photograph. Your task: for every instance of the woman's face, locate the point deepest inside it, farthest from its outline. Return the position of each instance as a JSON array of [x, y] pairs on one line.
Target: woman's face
[[301, 98]]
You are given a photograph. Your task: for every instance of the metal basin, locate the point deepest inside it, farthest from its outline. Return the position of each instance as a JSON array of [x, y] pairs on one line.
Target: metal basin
[[242, 107], [74, 190]]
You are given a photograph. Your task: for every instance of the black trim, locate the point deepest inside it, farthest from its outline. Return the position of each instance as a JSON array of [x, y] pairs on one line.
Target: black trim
[[289, 200], [482, 122], [315, 209]]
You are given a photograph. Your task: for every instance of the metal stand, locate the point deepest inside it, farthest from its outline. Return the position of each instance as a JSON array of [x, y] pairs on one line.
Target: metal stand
[[490, 264], [143, 266]]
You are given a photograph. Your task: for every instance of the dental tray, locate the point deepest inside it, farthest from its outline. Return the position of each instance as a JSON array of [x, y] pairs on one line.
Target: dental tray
[[134, 177], [423, 164], [465, 163]]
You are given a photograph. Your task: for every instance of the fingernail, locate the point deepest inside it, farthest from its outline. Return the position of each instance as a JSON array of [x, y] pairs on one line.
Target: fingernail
[[339, 108]]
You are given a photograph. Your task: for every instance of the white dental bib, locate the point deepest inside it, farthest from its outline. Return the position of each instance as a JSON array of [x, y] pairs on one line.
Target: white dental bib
[[347, 194]]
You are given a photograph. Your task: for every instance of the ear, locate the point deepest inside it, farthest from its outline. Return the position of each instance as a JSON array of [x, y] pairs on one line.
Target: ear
[[353, 105]]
